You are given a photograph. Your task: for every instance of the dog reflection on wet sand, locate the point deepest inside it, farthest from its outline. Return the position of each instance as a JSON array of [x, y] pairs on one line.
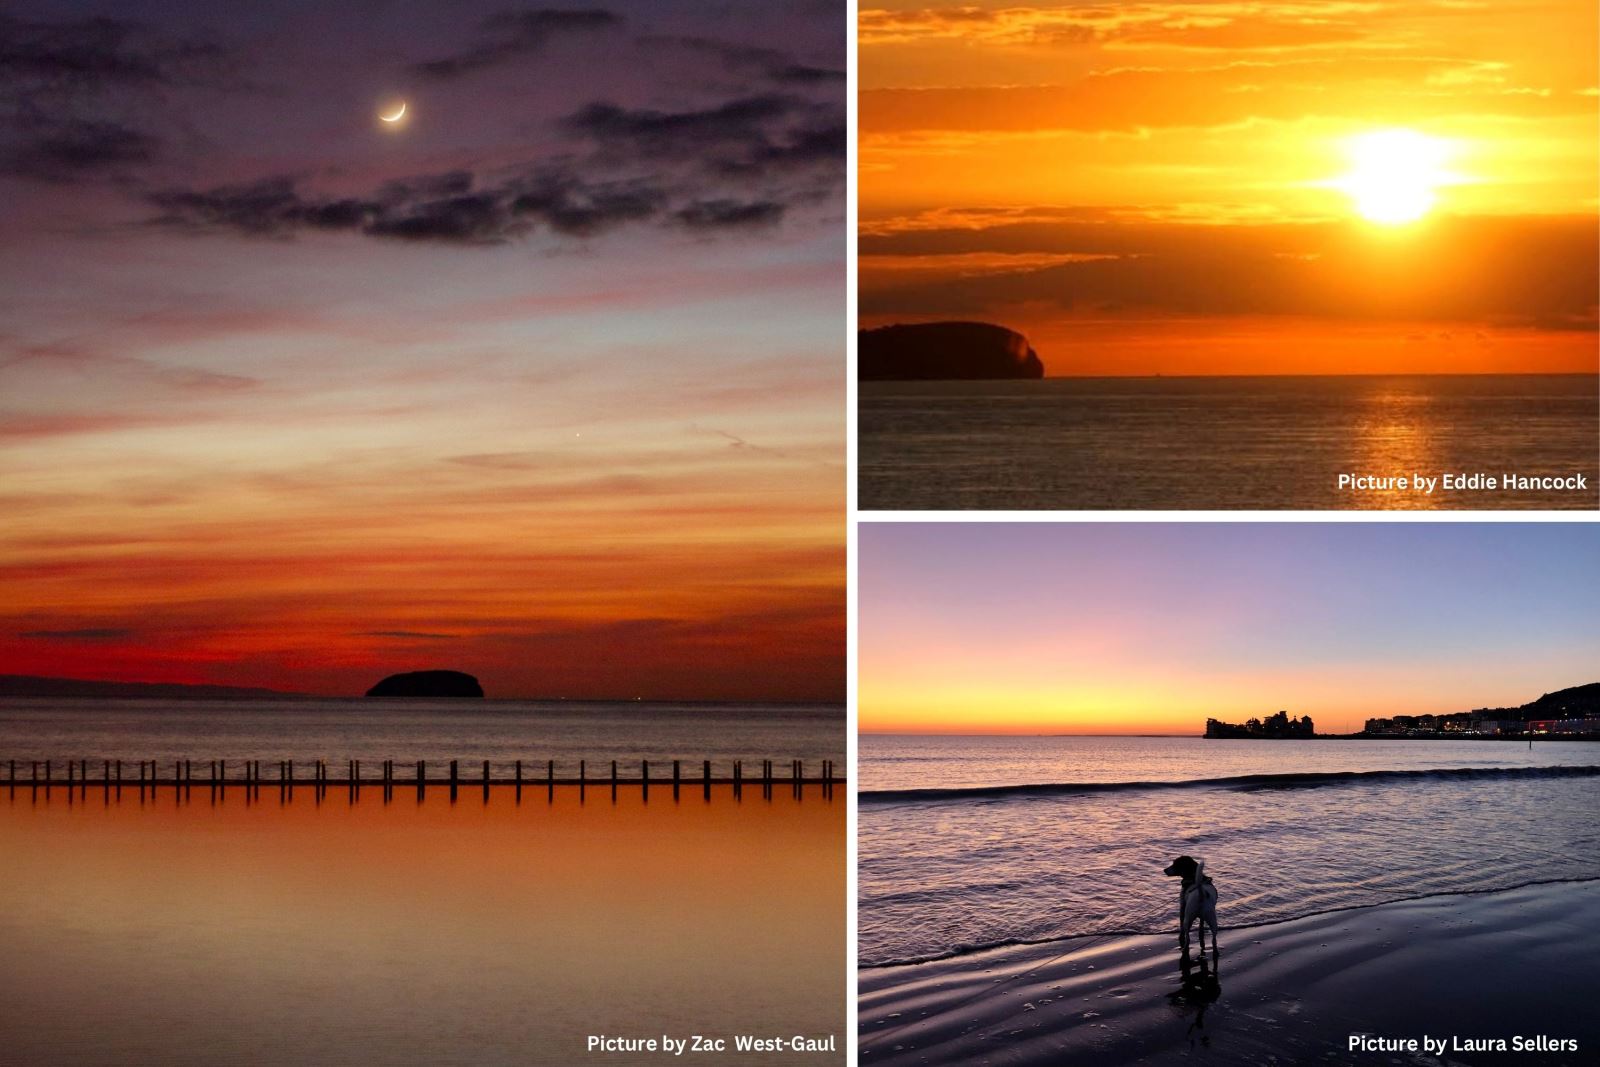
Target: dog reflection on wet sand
[[1200, 987]]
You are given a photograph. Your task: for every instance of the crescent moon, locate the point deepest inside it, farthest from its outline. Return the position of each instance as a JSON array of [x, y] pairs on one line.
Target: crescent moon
[[397, 116]]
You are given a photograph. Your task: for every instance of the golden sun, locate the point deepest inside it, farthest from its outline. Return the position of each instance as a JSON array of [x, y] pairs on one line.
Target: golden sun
[[1394, 175]]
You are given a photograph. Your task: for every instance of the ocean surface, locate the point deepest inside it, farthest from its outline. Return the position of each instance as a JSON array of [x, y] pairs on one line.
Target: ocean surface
[[376, 926], [968, 843], [346, 929], [372, 730], [1222, 443]]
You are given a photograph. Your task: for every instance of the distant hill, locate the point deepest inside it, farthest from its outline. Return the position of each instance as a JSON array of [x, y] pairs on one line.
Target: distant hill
[[1578, 702], [932, 351], [27, 685], [1578, 707]]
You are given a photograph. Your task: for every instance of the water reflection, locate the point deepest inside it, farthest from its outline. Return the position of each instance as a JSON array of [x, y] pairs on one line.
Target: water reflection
[[1395, 429], [352, 929], [1200, 985]]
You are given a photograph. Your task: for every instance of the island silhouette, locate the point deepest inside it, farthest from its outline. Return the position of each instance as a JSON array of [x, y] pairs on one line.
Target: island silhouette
[[427, 684], [955, 351]]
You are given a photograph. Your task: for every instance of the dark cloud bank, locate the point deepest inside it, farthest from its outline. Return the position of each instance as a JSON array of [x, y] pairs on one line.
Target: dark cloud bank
[[737, 163], [1530, 271]]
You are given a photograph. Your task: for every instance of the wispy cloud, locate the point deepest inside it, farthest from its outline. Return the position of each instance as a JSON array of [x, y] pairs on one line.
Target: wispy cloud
[[515, 35], [408, 635], [92, 633]]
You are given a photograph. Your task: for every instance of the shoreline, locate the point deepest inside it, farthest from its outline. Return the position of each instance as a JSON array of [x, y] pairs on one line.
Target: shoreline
[[1474, 965]]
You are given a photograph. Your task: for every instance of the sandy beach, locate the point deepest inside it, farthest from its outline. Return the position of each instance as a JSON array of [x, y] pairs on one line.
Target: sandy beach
[[1468, 969]]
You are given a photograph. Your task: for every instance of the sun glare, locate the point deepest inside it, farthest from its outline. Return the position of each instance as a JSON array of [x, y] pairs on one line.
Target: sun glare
[[1394, 175]]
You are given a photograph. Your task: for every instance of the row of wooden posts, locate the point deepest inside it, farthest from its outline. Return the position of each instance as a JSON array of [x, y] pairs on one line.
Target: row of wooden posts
[[183, 776]]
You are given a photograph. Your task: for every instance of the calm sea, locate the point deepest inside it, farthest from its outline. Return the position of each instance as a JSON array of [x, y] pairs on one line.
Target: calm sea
[[359, 927], [1201, 443], [501, 731], [974, 842]]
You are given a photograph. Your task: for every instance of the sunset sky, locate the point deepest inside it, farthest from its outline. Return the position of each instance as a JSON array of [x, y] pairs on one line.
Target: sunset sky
[[1199, 187], [543, 382], [1115, 628]]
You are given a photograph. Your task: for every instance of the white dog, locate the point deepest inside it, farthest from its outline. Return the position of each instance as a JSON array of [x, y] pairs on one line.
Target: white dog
[[1197, 899]]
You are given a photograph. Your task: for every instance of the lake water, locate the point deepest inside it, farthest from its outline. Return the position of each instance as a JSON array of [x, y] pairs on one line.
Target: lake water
[[1222, 443], [974, 842]]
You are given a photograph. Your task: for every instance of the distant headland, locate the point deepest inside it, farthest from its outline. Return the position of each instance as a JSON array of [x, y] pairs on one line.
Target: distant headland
[[29, 686], [1567, 714], [933, 351], [427, 684]]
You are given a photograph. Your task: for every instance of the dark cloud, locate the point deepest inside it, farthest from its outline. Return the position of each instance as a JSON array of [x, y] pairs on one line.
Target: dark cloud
[[751, 137], [67, 90], [477, 218], [775, 65], [675, 133], [512, 35], [722, 214], [97, 53], [270, 207], [404, 210], [569, 206], [89, 634], [1503, 271], [65, 150], [555, 198], [408, 635]]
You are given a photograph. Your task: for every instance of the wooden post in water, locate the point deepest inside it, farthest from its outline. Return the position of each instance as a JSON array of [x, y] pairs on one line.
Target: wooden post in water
[[674, 779], [452, 780], [708, 779], [422, 780], [485, 779], [613, 781], [644, 777]]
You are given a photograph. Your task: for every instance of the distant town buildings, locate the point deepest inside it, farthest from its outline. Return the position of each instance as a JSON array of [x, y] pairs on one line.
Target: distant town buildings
[[1484, 723]]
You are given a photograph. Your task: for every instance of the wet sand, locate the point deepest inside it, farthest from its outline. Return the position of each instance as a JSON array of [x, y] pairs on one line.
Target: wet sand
[[187, 927], [1501, 965]]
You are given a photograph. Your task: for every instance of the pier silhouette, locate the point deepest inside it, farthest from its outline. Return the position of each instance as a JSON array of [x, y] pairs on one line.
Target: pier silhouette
[[178, 776]]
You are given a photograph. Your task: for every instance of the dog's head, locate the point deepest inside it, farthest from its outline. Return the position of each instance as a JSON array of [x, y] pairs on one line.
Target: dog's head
[[1183, 867]]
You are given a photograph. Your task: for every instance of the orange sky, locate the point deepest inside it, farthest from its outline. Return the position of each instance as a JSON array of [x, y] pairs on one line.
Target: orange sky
[[1173, 187]]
